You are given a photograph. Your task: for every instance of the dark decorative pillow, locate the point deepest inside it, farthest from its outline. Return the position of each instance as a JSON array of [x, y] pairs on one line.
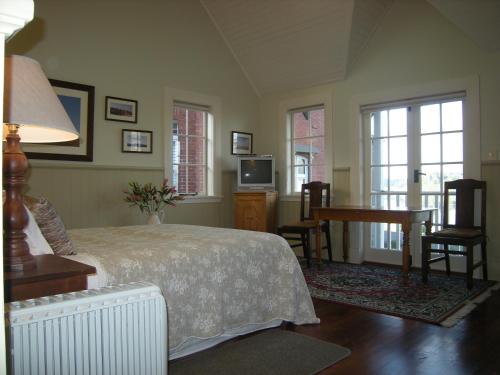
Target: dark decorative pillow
[[51, 225]]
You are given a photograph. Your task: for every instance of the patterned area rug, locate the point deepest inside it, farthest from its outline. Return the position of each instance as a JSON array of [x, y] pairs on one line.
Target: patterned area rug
[[384, 289]]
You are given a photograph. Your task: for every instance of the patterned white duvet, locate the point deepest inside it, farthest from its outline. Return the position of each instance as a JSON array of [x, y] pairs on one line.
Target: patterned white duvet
[[216, 282]]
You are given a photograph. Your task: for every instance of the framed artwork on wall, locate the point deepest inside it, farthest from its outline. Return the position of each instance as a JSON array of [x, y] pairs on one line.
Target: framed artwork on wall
[[140, 141], [119, 109], [78, 101], [241, 143]]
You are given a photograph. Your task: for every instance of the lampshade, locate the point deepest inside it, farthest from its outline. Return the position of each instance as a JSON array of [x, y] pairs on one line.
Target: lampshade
[[31, 103]]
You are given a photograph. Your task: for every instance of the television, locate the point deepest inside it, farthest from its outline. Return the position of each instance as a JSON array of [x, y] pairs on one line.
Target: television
[[255, 173]]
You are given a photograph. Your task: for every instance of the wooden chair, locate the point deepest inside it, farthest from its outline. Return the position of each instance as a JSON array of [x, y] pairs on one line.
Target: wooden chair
[[463, 232], [306, 226]]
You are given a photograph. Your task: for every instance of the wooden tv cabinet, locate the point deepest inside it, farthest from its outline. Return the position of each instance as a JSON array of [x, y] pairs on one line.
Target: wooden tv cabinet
[[255, 210]]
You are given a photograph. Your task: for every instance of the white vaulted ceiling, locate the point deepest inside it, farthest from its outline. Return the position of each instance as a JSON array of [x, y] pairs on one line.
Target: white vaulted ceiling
[[289, 44]]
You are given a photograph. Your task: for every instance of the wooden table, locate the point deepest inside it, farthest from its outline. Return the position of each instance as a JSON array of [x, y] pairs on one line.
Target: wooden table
[[405, 216], [53, 275]]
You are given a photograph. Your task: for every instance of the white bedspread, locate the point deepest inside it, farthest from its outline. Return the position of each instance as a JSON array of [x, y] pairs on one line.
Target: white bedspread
[[215, 281]]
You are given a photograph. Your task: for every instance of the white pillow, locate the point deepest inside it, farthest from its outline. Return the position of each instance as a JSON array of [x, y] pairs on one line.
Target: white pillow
[[35, 239]]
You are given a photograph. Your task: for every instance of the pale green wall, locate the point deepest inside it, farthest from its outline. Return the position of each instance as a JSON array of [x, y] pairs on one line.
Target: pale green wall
[[133, 49], [88, 196], [413, 45]]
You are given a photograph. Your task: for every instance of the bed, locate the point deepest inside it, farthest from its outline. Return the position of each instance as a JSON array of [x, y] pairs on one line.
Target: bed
[[218, 283]]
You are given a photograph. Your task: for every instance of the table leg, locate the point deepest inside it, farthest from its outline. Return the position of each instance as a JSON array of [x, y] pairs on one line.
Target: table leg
[[428, 226], [318, 242], [406, 227], [345, 240]]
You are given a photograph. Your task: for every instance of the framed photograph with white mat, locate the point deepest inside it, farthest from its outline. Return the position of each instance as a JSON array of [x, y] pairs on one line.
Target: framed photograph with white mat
[[241, 143], [120, 109], [140, 141]]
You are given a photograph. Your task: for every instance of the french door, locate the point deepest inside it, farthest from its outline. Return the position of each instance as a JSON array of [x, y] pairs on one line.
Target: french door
[[410, 150]]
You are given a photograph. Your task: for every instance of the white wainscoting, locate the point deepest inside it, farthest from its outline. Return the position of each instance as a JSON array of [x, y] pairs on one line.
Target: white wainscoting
[[92, 196]]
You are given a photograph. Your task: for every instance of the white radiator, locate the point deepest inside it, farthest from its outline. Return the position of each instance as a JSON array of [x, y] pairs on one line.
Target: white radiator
[[120, 330]]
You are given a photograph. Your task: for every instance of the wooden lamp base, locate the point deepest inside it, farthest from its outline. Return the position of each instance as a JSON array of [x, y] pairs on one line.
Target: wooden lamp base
[[16, 251]]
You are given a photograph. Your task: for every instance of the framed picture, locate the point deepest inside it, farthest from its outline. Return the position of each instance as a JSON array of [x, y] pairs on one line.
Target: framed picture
[[78, 101], [137, 141], [119, 109], [241, 143]]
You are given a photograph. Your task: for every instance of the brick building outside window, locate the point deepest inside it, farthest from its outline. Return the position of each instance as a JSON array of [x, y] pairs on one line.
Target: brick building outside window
[[189, 149], [307, 145]]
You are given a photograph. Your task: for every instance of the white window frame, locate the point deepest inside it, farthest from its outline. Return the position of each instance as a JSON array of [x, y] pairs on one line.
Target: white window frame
[[285, 160], [471, 123], [214, 121]]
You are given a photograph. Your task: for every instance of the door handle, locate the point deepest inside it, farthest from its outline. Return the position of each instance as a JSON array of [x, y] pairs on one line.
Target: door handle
[[416, 175]]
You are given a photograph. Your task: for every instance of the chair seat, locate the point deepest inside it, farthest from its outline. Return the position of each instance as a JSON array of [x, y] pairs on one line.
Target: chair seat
[[458, 233]]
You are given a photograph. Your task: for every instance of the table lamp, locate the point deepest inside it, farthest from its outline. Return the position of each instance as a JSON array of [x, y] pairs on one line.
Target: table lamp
[[32, 114]]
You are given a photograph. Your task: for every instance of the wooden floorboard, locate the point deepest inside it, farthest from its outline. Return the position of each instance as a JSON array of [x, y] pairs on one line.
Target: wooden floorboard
[[383, 344]]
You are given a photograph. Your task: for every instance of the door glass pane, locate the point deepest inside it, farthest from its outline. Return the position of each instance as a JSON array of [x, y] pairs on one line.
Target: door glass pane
[[380, 177], [452, 147], [395, 237], [379, 201], [452, 172], [379, 124], [398, 201], [452, 208], [452, 116], [317, 117], [430, 119], [431, 181], [397, 121], [397, 150], [433, 201], [379, 151], [430, 147], [378, 236], [399, 178]]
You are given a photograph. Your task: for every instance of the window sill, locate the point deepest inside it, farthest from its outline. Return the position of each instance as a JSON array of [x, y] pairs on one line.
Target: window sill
[[200, 199]]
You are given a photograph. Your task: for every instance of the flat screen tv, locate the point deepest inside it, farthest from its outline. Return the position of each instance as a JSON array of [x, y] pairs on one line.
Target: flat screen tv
[[255, 173]]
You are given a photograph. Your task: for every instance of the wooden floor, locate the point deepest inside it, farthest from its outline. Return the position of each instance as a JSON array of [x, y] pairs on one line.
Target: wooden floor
[[383, 344]]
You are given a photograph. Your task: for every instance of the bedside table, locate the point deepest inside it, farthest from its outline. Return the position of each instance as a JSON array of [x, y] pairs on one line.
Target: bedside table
[[53, 275]]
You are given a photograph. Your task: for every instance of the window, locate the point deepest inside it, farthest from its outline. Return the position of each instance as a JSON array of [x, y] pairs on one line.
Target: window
[[190, 137], [307, 144]]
